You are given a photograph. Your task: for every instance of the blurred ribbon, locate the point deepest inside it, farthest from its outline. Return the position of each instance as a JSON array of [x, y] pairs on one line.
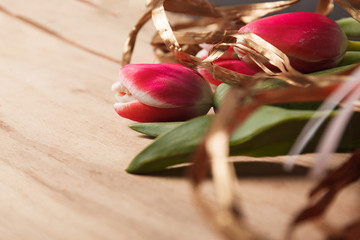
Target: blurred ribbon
[[325, 7]]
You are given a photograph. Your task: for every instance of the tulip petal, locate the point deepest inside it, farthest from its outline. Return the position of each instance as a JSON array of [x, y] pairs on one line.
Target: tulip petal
[[161, 92], [140, 112], [312, 41], [165, 85], [234, 65]]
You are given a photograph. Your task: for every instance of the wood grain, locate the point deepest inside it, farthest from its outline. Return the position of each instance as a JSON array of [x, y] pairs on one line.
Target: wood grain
[[64, 149]]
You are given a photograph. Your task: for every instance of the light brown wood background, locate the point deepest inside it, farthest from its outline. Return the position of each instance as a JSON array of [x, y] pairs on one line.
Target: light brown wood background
[[63, 148]]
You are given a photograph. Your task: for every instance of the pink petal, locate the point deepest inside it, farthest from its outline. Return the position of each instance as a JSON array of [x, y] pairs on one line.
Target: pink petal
[[312, 41], [140, 112], [234, 65], [165, 85]]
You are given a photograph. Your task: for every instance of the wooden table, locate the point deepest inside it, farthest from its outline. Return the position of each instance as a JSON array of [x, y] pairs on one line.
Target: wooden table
[[64, 149]]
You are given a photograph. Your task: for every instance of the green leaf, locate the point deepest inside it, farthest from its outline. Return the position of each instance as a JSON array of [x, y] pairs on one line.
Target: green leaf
[[154, 129], [219, 94], [272, 136], [332, 70], [170, 148], [350, 57], [270, 131], [223, 88], [350, 26]]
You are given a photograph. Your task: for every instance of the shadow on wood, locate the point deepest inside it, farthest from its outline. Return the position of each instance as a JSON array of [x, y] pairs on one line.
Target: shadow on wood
[[246, 169]]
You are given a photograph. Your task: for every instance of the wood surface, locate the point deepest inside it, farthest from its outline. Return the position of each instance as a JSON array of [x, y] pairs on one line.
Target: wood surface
[[64, 149]]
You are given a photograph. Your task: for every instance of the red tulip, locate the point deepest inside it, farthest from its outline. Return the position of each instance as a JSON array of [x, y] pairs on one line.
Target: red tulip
[[234, 65], [312, 41], [161, 92]]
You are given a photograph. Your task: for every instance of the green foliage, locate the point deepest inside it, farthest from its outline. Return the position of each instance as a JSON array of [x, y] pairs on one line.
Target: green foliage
[[270, 131], [350, 26]]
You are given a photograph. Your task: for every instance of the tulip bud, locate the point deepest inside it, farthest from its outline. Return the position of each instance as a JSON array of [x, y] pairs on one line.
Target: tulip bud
[[312, 41], [161, 92], [234, 65]]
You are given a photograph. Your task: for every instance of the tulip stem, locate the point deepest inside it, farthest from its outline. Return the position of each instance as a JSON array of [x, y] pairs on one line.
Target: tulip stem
[[353, 46]]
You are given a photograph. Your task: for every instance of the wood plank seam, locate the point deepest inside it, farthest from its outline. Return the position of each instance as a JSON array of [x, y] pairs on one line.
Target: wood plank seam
[[57, 35]]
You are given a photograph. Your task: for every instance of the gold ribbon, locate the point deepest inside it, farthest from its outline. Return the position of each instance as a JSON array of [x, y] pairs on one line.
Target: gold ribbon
[[130, 42], [352, 8], [325, 7], [220, 17]]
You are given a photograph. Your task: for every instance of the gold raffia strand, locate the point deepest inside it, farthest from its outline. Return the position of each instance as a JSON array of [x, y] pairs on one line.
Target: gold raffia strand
[[325, 7], [226, 215], [353, 10], [130, 42], [233, 16], [261, 51]]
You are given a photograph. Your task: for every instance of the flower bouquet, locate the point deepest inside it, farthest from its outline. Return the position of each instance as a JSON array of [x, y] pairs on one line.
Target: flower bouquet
[[280, 85]]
